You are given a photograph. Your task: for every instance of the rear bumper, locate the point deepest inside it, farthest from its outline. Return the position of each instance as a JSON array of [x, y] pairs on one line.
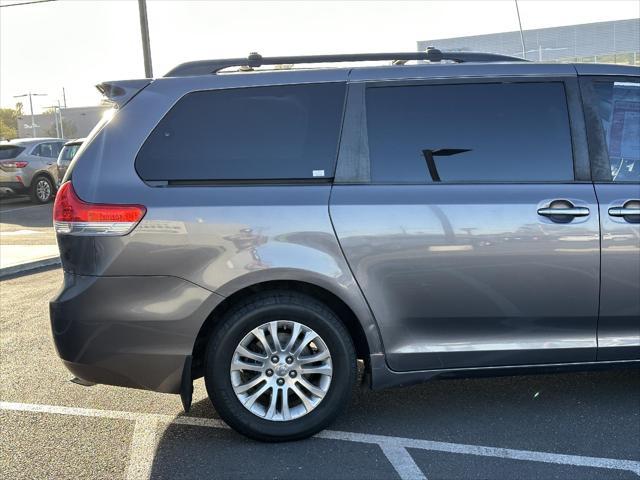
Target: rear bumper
[[128, 331]]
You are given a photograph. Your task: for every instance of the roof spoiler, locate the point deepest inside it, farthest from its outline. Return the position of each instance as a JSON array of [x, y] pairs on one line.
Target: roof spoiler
[[119, 92]]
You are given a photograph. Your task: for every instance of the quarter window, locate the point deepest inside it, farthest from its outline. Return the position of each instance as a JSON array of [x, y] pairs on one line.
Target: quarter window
[[485, 132], [257, 133]]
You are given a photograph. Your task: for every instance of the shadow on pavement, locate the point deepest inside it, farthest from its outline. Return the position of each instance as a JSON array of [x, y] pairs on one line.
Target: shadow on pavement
[[26, 216]]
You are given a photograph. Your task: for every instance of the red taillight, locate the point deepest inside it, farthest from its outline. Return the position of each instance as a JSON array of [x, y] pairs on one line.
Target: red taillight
[[14, 164], [74, 216]]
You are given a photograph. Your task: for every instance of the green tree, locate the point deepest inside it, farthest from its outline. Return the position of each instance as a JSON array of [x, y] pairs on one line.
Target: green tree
[[8, 123]]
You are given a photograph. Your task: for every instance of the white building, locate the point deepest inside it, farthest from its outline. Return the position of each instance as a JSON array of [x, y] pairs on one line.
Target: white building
[[76, 122], [616, 41]]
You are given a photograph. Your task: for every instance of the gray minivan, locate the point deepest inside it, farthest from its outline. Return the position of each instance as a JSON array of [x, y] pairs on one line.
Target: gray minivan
[[470, 215]]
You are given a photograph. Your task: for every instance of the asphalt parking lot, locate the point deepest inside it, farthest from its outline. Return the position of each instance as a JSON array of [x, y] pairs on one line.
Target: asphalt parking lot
[[579, 425], [22, 222]]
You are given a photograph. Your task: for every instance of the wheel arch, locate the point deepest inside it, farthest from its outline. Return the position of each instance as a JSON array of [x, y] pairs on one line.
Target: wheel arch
[[365, 339], [43, 173]]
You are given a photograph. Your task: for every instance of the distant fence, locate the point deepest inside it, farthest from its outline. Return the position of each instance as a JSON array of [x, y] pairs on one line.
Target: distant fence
[[603, 42]]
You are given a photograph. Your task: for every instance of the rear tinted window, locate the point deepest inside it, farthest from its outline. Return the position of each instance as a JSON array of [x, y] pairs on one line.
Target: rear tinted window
[[10, 151], [619, 111], [469, 133], [69, 151], [261, 133]]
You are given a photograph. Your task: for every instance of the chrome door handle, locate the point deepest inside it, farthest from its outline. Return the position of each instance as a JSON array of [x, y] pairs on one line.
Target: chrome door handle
[[569, 211], [623, 211]]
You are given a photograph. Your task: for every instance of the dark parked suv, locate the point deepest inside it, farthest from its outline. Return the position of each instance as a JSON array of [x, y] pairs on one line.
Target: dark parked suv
[[472, 214]]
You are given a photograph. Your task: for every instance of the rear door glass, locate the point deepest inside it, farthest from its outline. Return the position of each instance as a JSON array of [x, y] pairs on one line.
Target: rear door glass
[[47, 150], [484, 132]]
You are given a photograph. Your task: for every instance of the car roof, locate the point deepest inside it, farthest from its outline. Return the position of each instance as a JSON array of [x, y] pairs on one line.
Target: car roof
[[214, 74], [179, 86], [394, 72], [77, 141], [31, 140]]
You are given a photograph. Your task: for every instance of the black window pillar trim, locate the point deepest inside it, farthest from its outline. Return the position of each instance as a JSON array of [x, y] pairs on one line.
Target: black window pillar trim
[[353, 165], [579, 143]]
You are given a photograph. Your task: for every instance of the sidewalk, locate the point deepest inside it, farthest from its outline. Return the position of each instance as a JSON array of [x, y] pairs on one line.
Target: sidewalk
[[20, 258], [27, 240]]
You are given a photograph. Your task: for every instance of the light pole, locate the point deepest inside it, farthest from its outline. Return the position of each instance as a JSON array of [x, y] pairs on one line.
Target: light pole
[[33, 120], [144, 31], [55, 119], [60, 113], [57, 116], [524, 54]]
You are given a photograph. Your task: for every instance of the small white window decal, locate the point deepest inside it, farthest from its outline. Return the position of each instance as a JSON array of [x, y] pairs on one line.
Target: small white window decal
[[318, 173]]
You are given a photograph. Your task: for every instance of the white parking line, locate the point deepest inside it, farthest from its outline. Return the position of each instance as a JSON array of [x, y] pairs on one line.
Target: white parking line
[[529, 455], [18, 208], [17, 233], [142, 448], [402, 462], [393, 447]]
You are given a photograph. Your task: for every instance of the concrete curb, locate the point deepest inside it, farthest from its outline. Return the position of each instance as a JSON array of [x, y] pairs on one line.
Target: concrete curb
[[28, 266]]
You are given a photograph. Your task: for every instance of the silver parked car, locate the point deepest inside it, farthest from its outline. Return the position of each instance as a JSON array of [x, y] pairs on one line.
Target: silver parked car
[[266, 229], [67, 153], [28, 167]]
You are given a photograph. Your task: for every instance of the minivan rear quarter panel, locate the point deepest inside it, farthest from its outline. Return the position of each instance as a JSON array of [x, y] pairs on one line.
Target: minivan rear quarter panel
[[220, 237]]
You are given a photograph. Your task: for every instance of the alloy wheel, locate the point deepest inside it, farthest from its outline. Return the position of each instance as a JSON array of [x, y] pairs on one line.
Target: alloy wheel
[[43, 190], [281, 370]]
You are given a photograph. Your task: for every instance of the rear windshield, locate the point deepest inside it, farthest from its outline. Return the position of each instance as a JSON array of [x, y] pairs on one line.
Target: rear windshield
[[10, 151], [69, 151], [257, 133]]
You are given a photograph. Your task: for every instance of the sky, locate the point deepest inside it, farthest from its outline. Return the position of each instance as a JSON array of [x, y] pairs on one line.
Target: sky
[[76, 44]]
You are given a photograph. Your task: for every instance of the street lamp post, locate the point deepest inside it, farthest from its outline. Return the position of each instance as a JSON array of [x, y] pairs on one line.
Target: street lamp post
[[144, 31], [60, 113], [33, 120], [524, 53], [57, 117]]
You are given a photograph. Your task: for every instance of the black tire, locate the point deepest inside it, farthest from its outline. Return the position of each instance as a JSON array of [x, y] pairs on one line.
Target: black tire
[[253, 312], [36, 195]]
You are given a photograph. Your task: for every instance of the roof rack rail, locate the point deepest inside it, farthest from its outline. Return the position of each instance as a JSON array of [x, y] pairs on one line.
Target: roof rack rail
[[254, 60]]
